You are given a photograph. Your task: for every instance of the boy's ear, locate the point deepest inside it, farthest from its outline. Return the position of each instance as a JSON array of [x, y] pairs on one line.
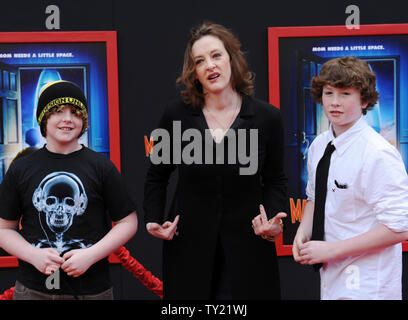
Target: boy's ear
[[364, 105]]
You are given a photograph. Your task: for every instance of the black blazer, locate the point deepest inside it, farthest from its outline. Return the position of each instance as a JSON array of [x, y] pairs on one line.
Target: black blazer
[[215, 201]]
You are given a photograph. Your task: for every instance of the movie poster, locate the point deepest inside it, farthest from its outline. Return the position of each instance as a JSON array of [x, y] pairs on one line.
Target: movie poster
[[26, 68], [300, 58], [31, 60]]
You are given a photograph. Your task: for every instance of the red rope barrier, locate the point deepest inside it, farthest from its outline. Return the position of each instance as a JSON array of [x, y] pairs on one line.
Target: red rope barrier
[[130, 264], [145, 276], [8, 294]]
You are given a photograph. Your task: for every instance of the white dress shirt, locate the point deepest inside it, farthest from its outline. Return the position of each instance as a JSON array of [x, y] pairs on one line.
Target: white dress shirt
[[367, 186]]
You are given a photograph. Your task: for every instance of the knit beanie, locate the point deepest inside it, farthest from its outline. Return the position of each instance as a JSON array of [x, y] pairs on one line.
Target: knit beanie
[[59, 93]]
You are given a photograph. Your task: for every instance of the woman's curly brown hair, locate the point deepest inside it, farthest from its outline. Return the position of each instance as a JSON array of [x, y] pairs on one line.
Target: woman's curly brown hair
[[241, 78]]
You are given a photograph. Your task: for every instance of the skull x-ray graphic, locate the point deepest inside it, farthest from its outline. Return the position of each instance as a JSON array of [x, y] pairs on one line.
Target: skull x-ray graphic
[[60, 196]]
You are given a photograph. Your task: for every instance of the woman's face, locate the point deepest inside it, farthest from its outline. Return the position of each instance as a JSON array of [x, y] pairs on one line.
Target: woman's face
[[212, 64]]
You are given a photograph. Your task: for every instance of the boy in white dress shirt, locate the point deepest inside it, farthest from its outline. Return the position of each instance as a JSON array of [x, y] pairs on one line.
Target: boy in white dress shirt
[[366, 208]]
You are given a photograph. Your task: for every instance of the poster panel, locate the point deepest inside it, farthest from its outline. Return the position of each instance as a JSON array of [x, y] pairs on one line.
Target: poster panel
[[295, 55], [31, 60]]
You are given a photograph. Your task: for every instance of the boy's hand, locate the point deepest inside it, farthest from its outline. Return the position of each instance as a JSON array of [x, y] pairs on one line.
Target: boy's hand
[[298, 242], [46, 260], [77, 261], [313, 252]]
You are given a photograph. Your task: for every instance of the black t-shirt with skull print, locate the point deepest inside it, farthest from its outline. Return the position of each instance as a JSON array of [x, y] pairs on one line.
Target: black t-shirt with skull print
[[66, 202]]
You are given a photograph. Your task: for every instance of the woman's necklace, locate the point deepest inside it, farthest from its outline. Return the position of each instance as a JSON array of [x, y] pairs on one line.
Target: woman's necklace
[[231, 120], [218, 134]]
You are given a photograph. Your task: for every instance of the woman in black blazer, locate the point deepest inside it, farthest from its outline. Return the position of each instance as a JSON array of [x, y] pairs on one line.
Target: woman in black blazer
[[231, 191]]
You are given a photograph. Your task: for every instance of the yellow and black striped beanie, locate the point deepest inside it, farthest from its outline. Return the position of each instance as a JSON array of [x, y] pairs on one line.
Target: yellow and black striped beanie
[[59, 93]]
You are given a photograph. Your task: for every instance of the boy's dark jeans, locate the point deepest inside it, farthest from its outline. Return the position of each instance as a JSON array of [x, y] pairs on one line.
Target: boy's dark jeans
[[23, 293]]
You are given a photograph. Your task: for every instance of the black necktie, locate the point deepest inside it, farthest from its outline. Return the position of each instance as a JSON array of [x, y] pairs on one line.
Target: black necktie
[[322, 172]]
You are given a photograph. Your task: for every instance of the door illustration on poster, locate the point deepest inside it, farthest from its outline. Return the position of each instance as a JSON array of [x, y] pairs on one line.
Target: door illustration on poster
[[309, 114], [10, 115], [311, 119]]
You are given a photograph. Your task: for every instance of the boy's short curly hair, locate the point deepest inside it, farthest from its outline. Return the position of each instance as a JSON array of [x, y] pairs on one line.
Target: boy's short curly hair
[[79, 113], [346, 72]]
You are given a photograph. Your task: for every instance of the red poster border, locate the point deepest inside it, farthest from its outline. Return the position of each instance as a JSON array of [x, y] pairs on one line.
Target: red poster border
[[276, 33], [110, 39]]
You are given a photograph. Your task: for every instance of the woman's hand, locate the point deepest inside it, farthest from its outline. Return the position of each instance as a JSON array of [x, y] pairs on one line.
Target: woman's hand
[[263, 227], [165, 231]]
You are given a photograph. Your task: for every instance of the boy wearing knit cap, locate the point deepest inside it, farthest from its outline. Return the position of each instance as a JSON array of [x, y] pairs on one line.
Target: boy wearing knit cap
[[67, 195]]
